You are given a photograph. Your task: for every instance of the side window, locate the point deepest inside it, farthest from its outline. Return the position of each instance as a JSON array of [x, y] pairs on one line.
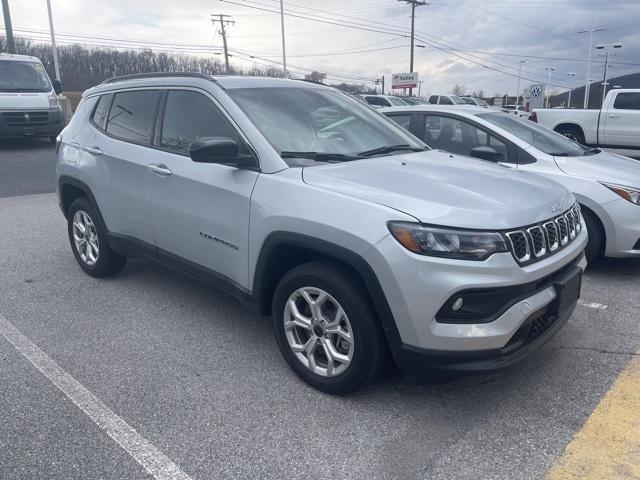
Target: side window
[[627, 101], [100, 111], [132, 115], [378, 101], [445, 101], [433, 99], [189, 116], [403, 120], [460, 137]]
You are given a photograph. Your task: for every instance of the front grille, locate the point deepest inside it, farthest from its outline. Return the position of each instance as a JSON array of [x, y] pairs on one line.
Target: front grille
[[535, 242], [26, 119]]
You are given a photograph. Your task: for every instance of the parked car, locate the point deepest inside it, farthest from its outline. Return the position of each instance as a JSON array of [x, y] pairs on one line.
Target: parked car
[[517, 110], [616, 125], [379, 101], [446, 100], [478, 102], [606, 185], [353, 235], [29, 106]]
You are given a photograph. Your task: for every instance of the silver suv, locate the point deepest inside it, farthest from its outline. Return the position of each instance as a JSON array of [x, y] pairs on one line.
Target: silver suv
[[360, 242]]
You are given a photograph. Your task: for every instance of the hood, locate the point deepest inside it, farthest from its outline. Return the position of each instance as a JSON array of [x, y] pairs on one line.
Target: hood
[[603, 167], [447, 190], [24, 100]]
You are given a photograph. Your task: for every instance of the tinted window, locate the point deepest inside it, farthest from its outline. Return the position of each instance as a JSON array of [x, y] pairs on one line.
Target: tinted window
[[397, 102], [460, 137], [445, 101], [101, 110], [627, 101], [403, 120], [433, 99], [189, 116], [378, 101], [132, 115]]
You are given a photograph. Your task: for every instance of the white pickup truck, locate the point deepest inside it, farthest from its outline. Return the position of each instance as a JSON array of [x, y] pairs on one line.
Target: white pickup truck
[[616, 125]]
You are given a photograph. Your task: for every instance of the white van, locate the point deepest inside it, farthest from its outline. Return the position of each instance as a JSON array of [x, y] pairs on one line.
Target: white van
[[29, 106]]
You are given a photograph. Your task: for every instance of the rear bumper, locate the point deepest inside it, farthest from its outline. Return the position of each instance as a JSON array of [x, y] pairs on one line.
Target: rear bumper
[[31, 123]]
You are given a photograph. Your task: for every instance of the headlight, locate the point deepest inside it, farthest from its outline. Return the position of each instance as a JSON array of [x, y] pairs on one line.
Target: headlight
[[447, 243], [53, 100], [630, 194]]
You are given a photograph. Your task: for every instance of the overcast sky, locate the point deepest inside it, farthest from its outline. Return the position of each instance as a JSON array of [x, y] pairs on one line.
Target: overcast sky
[[456, 33]]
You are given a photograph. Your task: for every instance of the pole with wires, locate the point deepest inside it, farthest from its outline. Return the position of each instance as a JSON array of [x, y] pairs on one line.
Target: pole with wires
[[414, 4], [284, 53], [223, 19], [11, 46], [54, 50]]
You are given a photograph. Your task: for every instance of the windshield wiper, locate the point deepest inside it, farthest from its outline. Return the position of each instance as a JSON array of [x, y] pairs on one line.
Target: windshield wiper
[[592, 151], [559, 154], [389, 149], [319, 156]]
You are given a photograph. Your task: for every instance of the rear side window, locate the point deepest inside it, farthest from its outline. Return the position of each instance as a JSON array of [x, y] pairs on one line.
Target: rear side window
[[403, 120], [132, 115], [627, 101], [189, 116], [433, 99], [100, 112]]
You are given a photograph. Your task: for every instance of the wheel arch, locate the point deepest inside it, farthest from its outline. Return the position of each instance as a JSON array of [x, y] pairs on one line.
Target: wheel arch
[[571, 125], [282, 251], [69, 189]]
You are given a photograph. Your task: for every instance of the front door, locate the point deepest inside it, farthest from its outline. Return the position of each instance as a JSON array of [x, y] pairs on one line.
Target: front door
[[199, 212], [621, 122]]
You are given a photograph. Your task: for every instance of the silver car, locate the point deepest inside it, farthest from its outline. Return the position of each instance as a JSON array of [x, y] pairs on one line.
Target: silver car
[[606, 185], [353, 235]]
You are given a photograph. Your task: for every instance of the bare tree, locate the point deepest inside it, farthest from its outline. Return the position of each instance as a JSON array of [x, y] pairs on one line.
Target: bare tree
[[459, 90]]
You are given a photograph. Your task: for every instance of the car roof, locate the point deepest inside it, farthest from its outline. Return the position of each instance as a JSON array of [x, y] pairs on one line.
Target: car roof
[[468, 109], [19, 58]]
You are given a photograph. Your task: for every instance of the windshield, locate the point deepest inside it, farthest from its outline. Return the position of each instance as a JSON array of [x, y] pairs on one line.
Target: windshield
[[542, 138], [481, 102], [468, 101], [319, 120], [23, 77], [457, 100], [397, 101]]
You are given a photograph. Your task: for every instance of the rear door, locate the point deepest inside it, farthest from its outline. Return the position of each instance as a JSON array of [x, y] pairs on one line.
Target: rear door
[[116, 158], [199, 211], [621, 122]]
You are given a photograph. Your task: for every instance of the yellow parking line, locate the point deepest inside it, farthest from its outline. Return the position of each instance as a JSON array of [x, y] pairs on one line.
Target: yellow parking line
[[608, 444]]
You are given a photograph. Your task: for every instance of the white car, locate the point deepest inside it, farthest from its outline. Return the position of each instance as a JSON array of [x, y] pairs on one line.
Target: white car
[[606, 185], [446, 100], [616, 125], [517, 110], [478, 102], [380, 101]]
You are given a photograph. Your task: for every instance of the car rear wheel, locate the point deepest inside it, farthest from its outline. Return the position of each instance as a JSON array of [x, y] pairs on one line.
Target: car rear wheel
[[327, 329], [88, 240], [572, 133]]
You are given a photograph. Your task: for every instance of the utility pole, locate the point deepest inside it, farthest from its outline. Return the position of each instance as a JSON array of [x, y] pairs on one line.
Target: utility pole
[[11, 46], [607, 49], [222, 19], [54, 50], [520, 75], [588, 80], [570, 74], [549, 69], [284, 54], [414, 4]]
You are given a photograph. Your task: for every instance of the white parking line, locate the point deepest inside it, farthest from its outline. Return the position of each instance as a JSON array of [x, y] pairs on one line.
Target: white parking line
[[152, 459], [596, 306]]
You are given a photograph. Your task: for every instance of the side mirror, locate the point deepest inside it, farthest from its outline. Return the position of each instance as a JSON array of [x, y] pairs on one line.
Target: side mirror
[[218, 150], [57, 86], [486, 153]]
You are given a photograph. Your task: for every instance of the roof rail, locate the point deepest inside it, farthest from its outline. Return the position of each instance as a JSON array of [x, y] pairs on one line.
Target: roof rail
[[135, 76]]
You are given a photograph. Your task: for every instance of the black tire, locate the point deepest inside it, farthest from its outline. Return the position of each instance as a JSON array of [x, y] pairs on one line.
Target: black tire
[[107, 261], [370, 350], [572, 133], [595, 247]]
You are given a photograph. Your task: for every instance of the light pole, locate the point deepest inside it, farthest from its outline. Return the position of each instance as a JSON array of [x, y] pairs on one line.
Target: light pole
[[607, 48], [54, 50], [588, 77], [519, 75], [549, 69], [570, 74], [284, 54]]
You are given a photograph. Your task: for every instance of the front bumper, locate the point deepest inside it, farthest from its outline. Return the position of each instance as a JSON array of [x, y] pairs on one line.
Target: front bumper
[[31, 123], [622, 228]]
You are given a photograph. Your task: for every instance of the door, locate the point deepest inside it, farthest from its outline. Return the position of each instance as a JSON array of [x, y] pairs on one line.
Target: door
[[115, 160], [621, 122], [199, 212]]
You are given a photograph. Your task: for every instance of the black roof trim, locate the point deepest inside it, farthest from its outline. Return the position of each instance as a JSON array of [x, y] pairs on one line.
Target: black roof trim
[[136, 76]]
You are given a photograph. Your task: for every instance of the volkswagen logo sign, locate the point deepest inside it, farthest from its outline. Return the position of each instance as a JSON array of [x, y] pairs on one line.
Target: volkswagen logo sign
[[555, 207], [536, 91]]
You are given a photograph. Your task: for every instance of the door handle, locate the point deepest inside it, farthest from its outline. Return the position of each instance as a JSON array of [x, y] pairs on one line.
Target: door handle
[[615, 116], [94, 150], [159, 169]]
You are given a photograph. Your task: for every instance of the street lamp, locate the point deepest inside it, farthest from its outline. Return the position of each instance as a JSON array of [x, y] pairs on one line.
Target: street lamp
[[607, 48], [587, 86], [519, 75], [570, 74], [549, 69]]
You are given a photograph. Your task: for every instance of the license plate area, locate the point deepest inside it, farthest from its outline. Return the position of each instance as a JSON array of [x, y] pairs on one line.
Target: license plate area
[[567, 290]]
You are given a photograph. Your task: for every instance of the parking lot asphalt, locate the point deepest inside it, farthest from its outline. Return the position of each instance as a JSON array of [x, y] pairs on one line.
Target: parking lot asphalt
[[198, 375]]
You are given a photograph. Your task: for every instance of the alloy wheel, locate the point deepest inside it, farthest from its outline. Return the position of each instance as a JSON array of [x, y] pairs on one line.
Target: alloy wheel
[[85, 238]]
